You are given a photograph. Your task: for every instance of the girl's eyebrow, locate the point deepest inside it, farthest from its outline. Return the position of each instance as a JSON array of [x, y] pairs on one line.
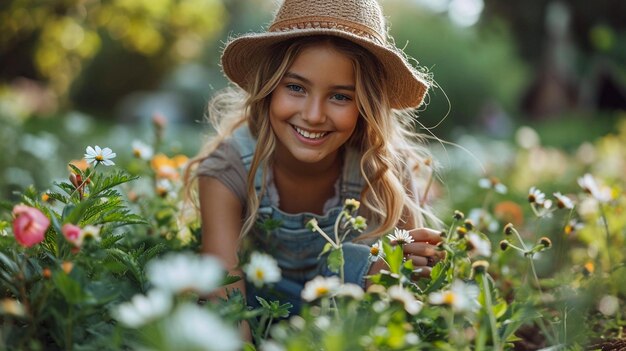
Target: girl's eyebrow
[[306, 81]]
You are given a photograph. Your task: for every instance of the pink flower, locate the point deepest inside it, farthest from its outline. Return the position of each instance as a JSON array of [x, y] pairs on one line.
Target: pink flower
[[30, 225], [73, 234]]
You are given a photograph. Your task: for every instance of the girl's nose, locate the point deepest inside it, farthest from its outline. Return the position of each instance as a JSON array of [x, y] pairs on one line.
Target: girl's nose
[[314, 111]]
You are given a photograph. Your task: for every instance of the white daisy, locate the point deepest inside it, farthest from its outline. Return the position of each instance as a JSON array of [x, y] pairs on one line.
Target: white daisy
[[411, 304], [351, 290], [563, 201], [96, 155], [376, 251], [589, 184], [142, 150], [461, 297], [142, 309], [183, 272], [400, 236], [536, 196], [191, 327], [493, 183], [479, 245], [262, 269], [320, 287], [91, 232]]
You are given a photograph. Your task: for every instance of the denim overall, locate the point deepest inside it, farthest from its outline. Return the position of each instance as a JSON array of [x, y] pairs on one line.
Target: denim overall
[[295, 247]]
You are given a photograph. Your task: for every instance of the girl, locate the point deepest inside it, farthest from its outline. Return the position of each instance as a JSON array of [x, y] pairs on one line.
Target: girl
[[321, 114]]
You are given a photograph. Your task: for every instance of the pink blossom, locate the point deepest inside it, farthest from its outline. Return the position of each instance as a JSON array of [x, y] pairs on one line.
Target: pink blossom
[[73, 234], [30, 225]]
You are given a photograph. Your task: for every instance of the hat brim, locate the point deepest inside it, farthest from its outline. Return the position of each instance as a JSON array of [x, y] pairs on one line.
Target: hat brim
[[406, 86]]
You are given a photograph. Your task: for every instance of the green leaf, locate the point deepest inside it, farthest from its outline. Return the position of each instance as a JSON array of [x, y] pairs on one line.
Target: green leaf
[[438, 275], [393, 256], [325, 250], [129, 262], [335, 260], [229, 279], [75, 169], [69, 288], [500, 309]]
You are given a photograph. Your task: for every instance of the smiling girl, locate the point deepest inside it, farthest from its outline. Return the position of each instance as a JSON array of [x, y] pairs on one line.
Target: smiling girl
[[322, 111]]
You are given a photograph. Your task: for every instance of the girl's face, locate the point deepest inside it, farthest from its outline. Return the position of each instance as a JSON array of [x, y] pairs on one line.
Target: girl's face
[[313, 110]]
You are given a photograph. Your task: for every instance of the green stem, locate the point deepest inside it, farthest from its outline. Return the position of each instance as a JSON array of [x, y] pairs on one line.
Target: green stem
[[83, 184], [607, 236], [336, 226], [532, 267], [259, 328], [486, 201], [450, 321], [492, 318], [68, 329], [267, 330], [519, 237], [322, 233]]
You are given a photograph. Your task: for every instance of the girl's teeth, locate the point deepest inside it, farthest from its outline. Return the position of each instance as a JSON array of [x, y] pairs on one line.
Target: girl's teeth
[[309, 135]]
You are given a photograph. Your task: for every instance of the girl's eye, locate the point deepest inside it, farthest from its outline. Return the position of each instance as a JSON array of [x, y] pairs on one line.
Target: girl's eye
[[295, 88], [341, 97]]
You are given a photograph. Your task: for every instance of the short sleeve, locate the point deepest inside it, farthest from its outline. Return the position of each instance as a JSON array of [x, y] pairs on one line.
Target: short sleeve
[[225, 165]]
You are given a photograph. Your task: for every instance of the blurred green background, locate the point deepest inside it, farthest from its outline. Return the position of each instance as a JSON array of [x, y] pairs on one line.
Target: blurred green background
[[94, 72]]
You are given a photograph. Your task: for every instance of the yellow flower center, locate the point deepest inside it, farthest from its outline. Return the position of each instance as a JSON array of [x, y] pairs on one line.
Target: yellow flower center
[[321, 290], [259, 274], [99, 158], [589, 267], [374, 250], [449, 298]]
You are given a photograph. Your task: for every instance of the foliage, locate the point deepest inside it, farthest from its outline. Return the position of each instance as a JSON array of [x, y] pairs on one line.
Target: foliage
[[131, 279], [64, 36]]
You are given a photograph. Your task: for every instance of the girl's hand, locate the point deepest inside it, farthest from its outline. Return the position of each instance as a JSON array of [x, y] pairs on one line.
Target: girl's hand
[[423, 251]]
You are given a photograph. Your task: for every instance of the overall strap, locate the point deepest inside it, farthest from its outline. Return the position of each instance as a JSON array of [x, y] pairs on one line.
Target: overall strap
[[352, 181], [245, 143]]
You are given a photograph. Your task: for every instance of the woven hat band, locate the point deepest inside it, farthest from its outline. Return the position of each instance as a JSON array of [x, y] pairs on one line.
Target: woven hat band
[[320, 22]]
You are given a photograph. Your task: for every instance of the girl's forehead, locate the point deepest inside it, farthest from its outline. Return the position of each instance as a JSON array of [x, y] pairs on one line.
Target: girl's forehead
[[324, 63]]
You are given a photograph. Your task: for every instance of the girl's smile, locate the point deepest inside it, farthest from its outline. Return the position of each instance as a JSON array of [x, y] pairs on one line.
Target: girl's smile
[[313, 110]]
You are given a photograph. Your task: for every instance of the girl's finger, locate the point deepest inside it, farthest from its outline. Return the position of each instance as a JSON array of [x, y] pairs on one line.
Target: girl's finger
[[419, 261], [427, 235], [422, 271], [420, 249]]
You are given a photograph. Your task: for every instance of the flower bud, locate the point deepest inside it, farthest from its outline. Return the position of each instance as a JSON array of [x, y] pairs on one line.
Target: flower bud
[[546, 242], [46, 273], [469, 224], [508, 229], [67, 266], [351, 205], [504, 244], [461, 231], [588, 268], [480, 266], [458, 215], [312, 224]]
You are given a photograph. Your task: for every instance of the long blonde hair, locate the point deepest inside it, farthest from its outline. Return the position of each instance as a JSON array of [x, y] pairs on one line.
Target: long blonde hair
[[392, 155]]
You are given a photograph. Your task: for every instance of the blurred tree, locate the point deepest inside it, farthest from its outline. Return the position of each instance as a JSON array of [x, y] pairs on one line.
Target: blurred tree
[[52, 41], [527, 23], [477, 68], [578, 49]]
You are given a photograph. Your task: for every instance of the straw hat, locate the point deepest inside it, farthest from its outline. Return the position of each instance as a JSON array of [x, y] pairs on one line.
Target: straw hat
[[360, 21]]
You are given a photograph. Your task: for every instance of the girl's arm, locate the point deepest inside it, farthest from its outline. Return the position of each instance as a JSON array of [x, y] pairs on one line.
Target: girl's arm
[[220, 212]]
